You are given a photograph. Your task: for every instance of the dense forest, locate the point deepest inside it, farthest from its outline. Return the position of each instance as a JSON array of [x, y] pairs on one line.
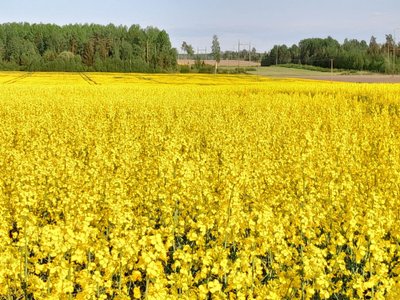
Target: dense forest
[[85, 47], [351, 54]]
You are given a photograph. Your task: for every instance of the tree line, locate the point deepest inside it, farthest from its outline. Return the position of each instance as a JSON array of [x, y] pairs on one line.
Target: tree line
[[93, 47], [327, 52], [85, 47], [243, 54]]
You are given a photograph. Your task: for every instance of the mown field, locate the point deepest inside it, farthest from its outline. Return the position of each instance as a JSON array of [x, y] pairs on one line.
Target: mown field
[[135, 186]]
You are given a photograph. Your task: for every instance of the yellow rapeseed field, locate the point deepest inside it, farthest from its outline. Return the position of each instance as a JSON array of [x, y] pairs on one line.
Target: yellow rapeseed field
[[136, 186]]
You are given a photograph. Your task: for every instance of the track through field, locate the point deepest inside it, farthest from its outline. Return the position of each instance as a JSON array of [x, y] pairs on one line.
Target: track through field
[[88, 79], [23, 76]]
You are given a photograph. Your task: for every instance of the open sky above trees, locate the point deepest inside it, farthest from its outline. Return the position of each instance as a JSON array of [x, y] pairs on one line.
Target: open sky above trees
[[260, 22]]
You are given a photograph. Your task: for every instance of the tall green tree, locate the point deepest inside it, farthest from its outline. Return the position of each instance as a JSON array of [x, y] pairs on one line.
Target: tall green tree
[[216, 51], [165, 57], [188, 49], [373, 47]]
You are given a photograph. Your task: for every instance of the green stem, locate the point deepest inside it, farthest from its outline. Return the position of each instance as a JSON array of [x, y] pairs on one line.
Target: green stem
[[120, 275], [25, 262], [48, 278], [146, 293]]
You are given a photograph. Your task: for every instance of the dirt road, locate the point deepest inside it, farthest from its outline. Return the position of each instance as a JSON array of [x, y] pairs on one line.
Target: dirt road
[[282, 72], [376, 78]]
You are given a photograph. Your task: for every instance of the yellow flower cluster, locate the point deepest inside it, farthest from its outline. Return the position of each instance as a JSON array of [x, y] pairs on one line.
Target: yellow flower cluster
[[165, 186]]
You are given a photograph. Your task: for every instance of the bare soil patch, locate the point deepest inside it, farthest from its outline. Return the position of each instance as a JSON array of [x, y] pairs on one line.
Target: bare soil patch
[[375, 78], [283, 72], [223, 63]]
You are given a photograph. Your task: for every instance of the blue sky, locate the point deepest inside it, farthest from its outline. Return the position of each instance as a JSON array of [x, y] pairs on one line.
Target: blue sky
[[261, 23]]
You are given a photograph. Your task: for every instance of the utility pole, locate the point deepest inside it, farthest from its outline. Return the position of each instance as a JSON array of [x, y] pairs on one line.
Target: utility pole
[[249, 52], [388, 54], [394, 46], [242, 44], [238, 54], [202, 51], [394, 49], [277, 54], [332, 66]]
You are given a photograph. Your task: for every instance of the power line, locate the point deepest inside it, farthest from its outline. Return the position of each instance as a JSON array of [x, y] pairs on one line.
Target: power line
[[202, 51], [243, 44]]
